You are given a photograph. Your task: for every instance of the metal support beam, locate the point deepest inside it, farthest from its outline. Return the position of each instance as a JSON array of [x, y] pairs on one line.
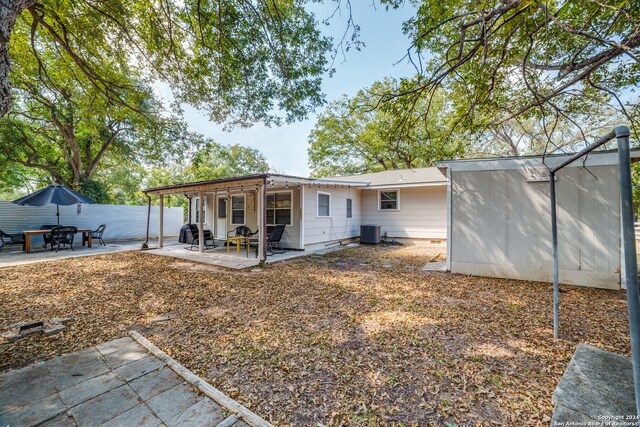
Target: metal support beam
[[201, 222], [628, 247], [554, 234], [145, 245], [161, 223]]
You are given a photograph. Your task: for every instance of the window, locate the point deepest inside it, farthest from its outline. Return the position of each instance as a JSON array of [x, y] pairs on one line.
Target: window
[[349, 208], [222, 207], [324, 204], [237, 210], [196, 209], [279, 208], [389, 200]]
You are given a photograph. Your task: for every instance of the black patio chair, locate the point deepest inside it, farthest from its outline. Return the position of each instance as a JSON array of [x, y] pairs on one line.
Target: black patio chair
[[274, 238], [195, 241], [11, 239], [62, 236], [95, 234], [47, 237], [242, 230]]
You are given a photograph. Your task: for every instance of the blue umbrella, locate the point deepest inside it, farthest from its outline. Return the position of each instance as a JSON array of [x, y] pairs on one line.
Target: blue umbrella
[[54, 194]]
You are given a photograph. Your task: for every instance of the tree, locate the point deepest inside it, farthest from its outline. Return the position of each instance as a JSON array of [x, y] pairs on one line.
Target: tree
[[244, 61], [530, 136], [65, 127], [520, 59], [124, 181], [354, 136]]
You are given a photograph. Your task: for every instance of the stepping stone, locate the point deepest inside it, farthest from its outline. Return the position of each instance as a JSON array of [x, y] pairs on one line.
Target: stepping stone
[[65, 377], [17, 387], [138, 368], [139, 416], [204, 413], [121, 351], [154, 383], [35, 413], [172, 402], [104, 407], [89, 389]]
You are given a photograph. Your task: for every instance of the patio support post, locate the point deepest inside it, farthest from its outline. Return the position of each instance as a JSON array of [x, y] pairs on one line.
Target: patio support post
[[261, 222], [201, 222], [161, 223], [145, 245]]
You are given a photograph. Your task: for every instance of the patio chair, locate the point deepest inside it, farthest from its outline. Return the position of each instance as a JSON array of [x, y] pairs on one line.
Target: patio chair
[[47, 237], [62, 236], [274, 237], [242, 230], [95, 234], [195, 241], [11, 239]]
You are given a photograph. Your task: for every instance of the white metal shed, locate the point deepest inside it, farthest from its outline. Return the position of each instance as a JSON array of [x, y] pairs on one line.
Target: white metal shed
[[499, 222]]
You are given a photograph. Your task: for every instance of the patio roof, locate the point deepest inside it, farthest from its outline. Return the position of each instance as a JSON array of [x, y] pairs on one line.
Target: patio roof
[[245, 182]]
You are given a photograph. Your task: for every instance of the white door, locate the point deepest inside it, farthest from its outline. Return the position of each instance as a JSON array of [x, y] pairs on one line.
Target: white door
[[221, 218]]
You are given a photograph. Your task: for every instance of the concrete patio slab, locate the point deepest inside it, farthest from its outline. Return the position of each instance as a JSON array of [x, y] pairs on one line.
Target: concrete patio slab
[[118, 383], [17, 257], [596, 387]]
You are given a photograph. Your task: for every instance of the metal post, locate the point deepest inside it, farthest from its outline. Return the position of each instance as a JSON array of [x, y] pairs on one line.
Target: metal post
[[629, 248], [145, 245], [554, 233], [201, 222], [161, 223]]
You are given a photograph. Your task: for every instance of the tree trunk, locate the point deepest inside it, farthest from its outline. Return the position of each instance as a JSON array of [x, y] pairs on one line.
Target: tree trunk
[[9, 12]]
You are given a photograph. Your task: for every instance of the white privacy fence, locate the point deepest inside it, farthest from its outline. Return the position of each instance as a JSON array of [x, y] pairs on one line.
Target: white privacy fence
[[123, 221]]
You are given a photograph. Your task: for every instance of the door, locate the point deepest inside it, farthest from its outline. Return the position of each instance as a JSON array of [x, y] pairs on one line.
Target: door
[[221, 218]]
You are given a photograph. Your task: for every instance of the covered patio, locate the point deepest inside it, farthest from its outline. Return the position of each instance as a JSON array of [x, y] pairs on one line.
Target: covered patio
[[258, 202]]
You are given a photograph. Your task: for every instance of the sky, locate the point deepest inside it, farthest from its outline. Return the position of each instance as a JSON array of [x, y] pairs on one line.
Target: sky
[[286, 146]]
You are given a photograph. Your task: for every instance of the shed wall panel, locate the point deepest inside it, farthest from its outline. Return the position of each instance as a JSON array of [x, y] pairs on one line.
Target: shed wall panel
[[501, 225]]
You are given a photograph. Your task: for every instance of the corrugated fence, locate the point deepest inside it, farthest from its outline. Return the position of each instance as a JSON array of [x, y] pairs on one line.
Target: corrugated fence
[[124, 222]]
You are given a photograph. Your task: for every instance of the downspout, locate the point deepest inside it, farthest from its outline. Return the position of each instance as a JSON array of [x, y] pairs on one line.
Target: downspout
[[145, 245]]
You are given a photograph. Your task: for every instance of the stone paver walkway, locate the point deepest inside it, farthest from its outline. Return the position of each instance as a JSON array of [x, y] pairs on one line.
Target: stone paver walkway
[[118, 383]]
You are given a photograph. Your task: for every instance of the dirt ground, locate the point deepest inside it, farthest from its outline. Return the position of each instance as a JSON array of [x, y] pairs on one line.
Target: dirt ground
[[359, 337]]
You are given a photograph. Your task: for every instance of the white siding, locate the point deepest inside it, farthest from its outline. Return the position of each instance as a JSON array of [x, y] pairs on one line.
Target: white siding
[[422, 214], [123, 221], [501, 226], [338, 226], [291, 237]]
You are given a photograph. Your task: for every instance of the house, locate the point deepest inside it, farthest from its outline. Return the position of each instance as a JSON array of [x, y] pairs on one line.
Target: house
[[499, 220], [409, 204]]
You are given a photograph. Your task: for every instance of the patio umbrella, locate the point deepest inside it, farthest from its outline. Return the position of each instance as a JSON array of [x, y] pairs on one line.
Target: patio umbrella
[[54, 194]]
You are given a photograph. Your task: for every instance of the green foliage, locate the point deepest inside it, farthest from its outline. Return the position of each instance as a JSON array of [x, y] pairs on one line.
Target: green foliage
[[356, 135], [95, 190], [244, 62], [524, 59], [124, 182], [66, 127]]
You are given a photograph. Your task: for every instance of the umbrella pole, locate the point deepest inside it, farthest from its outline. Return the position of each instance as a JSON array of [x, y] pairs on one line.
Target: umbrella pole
[[58, 213]]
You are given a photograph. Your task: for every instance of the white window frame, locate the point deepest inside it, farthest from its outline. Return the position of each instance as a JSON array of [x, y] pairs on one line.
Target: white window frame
[[274, 209], [318, 204], [349, 199], [386, 190], [196, 211], [244, 208]]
